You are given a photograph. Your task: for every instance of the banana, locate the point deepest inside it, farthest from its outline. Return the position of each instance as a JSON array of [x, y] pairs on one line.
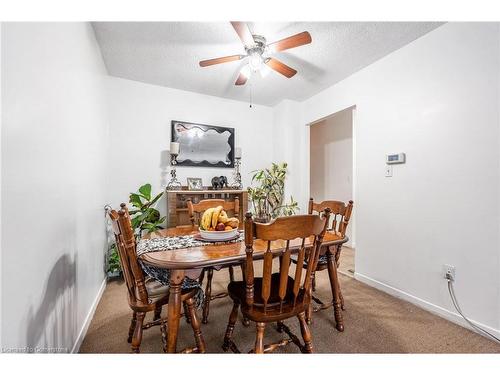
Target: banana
[[215, 216], [206, 219], [223, 217], [210, 218]]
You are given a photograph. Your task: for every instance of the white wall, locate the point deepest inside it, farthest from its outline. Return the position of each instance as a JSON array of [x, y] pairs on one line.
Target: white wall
[[437, 99], [140, 116], [286, 125], [54, 131], [331, 160]]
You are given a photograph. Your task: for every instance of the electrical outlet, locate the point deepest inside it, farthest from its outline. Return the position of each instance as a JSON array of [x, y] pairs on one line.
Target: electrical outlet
[[449, 272]]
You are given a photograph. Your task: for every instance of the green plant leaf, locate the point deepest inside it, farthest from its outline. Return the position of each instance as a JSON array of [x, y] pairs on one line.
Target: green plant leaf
[[152, 215], [113, 259], [135, 199], [143, 215], [151, 227], [155, 199], [145, 190], [258, 175], [136, 223]]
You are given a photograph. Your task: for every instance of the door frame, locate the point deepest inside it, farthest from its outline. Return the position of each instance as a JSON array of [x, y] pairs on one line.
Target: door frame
[[353, 108]]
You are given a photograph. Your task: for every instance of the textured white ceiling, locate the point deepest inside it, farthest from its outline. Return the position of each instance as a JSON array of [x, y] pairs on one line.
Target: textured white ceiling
[[167, 54]]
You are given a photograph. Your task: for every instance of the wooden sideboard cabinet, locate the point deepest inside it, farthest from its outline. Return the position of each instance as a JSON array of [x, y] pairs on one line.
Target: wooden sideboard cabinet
[[177, 212]]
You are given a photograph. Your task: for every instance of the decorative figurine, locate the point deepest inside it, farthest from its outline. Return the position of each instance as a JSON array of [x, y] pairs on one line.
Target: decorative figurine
[[219, 182]]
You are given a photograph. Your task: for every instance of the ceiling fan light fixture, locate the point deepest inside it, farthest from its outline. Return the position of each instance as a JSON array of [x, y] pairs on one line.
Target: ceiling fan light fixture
[[246, 71], [255, 61], [264, 71]]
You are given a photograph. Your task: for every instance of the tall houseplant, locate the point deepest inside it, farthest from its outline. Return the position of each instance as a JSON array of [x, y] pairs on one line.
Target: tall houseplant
[[144, 215], [144, 218], [268, 196]]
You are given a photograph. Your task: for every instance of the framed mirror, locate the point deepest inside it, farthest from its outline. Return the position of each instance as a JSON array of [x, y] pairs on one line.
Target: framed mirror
[[203, 145]]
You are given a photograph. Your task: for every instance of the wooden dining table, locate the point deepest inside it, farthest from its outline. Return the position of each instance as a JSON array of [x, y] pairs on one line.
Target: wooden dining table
[[181, 261]]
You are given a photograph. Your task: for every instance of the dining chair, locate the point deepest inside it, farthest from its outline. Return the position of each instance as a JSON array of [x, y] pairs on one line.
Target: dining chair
[[146, 294], [330, 256], [195, 211], [275, 297]]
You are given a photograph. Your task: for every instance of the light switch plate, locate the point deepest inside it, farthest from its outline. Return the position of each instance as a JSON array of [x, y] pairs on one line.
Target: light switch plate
[[388, 170]]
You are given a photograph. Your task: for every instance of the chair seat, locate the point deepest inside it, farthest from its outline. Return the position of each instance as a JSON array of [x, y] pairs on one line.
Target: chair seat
[[237, 292], [156, 289], [322, 260]]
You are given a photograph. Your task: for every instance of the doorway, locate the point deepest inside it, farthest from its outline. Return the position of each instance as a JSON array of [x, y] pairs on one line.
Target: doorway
[[332, 170]]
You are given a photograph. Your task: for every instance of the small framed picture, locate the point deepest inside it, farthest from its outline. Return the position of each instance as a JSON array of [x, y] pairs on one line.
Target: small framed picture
[[194, 183]]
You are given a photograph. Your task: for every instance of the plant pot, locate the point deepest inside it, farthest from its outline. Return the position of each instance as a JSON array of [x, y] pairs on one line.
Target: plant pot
[[262, 219], [115, 275]]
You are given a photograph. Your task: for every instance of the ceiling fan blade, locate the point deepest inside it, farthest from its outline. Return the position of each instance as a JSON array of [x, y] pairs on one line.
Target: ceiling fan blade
[[241, 80], [281, 68], [243, 32], [291, 42], [220, 60]]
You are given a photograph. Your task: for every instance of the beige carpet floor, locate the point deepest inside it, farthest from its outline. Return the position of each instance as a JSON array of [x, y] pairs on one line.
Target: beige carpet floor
[[347, 261], [375, 322]]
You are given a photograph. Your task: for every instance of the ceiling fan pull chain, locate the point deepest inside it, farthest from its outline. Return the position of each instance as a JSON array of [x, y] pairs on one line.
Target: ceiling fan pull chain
[[251, 99]]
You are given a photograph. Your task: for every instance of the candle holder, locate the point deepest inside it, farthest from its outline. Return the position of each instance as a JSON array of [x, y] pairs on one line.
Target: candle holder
[[236, 184], [173, 184]]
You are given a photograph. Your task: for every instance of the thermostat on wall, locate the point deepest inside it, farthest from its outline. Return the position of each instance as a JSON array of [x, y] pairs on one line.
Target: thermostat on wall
[[395, 158]]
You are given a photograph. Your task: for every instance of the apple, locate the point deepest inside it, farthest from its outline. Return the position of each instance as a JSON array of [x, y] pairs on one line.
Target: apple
[[220, 227]]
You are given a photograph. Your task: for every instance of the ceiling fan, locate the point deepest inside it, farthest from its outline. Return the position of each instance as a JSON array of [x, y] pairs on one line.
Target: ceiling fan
[[258, 52]]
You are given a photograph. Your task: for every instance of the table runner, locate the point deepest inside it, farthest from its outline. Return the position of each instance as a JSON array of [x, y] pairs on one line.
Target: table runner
[[148, 245]]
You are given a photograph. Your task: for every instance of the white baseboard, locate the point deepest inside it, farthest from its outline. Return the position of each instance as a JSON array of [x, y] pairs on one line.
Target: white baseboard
[[435, 309], [88, 318]]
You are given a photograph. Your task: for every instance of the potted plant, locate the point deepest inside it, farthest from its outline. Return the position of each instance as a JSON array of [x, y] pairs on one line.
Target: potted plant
[[268, 197], [114, 267], [144, 218]]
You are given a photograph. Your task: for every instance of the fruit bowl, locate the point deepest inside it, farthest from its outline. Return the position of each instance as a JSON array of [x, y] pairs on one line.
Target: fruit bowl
[[215, 235], [215, 225]]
